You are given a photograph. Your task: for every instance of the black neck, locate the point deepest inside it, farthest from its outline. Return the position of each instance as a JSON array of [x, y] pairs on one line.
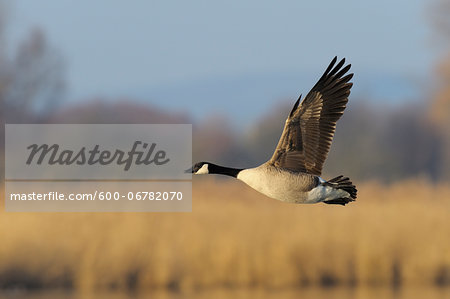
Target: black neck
[[217, 169]]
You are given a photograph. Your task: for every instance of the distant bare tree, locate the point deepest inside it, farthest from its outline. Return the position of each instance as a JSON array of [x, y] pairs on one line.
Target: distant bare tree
[[32, 81], [31, 77]]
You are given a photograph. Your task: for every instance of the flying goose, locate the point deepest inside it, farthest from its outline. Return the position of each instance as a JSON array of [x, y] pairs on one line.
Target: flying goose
[[293, 173]]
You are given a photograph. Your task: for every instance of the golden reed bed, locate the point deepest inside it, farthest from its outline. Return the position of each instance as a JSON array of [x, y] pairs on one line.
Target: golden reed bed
[[392, 236]]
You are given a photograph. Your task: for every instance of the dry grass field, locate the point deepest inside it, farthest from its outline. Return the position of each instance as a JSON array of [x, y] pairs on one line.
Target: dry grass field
[[396, 235]]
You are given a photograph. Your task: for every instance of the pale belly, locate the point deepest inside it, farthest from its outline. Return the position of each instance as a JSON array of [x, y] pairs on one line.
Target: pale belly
[[283, 186]]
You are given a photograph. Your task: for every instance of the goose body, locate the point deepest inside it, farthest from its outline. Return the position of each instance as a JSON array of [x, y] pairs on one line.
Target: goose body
[[293, 173], [278, 183]]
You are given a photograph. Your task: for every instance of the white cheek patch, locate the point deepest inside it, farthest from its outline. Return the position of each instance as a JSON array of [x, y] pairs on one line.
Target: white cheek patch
[[203, 169]]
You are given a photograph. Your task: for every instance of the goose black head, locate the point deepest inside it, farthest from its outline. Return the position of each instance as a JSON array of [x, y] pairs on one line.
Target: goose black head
[[199, 168]]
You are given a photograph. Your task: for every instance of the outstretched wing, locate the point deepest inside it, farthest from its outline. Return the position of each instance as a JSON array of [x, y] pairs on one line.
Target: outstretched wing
[[309, 129]]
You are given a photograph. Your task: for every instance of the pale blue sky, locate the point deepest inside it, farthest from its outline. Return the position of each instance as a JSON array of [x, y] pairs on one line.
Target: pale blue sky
[[151, 48]]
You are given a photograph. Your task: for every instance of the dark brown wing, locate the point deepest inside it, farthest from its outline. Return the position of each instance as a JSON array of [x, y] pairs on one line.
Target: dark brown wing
[[309, 129]]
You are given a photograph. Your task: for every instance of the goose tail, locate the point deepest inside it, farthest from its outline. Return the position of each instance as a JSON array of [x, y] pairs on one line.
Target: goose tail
[[342, 183]]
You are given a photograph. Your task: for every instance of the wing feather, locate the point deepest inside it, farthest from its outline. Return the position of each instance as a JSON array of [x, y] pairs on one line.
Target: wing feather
[[309, 129]]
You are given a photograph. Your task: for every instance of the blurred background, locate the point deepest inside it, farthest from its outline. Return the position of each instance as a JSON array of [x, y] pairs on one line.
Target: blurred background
[[234, 70]]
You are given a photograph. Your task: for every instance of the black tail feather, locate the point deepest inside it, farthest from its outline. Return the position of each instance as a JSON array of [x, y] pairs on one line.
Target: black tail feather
[[345, 184]]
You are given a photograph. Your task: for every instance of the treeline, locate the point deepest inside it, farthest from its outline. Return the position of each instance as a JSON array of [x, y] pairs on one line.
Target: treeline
[[371, 142]]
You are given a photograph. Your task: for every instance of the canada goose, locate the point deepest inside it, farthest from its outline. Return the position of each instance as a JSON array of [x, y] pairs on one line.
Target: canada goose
[[293, 173]]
